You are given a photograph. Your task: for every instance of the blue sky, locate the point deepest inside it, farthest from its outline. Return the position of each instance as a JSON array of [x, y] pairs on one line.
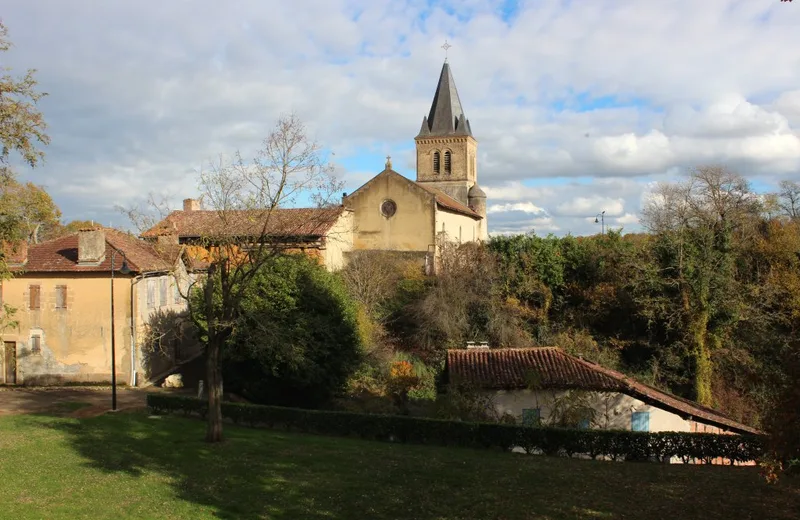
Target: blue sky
[[578, 107]]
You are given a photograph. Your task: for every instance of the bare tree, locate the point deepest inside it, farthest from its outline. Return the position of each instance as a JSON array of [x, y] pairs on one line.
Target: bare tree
[[371, 277], [144, 215], [789, 198], [246, 223]]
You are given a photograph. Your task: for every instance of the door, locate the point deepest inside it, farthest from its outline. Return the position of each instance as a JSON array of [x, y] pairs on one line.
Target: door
[[9, 364]]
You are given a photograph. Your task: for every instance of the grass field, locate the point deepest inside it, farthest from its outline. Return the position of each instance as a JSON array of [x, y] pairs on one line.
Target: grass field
[[130, 466]]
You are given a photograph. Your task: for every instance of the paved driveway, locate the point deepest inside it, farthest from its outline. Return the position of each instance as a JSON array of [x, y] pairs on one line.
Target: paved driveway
[[74, 401]]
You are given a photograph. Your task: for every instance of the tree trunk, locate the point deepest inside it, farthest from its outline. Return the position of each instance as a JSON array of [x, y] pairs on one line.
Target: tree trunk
[[701, 353], [213, 372], [214, 376]]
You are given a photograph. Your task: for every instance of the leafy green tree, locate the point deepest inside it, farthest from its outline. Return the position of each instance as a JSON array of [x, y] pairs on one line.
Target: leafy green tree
[[698, 226], [22, 127], [296, 339], [32, 210], [22, 131]]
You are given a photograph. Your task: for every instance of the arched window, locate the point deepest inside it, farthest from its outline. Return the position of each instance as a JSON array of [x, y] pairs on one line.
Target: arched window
[[447, 162], [436, 163]]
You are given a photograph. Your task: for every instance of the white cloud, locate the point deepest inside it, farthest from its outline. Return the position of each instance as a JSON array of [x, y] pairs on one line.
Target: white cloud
[[524, 207], [627, 218], [590, 206]]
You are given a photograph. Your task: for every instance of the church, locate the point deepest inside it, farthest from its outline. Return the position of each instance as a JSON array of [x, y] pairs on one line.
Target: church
[[388, 213], [391, 212]]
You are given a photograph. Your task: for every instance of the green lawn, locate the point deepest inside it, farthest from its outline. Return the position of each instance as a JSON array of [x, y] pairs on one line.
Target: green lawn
[[129, 466]]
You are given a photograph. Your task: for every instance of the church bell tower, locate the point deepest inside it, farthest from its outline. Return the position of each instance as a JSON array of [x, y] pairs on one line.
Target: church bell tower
[[446, 149]]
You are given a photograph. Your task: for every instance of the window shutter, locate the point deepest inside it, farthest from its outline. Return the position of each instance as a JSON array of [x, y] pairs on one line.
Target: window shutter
[[61, 296], [162, 290], [640, 421], [531, 416], [151, 293], [36, 344], [447, 162], [34, 297]]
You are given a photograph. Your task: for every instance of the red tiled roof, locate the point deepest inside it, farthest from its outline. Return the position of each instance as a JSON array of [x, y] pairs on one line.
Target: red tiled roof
[[61, 255], [552, 368], [283, 222], [447, 202]]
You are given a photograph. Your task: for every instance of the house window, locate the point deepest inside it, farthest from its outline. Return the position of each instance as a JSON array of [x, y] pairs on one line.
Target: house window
[[447, 163], [61, 296], [151, 293], [640, 421], [35, 300], [436, 163], [162, 291], [584, 424], [36, 344], [531, 416]]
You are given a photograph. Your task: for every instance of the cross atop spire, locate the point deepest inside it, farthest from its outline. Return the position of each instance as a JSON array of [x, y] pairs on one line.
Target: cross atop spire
[[445, 47], [388, 162]]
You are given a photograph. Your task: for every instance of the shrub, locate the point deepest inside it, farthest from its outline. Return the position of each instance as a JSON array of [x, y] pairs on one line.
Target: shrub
[[616, 445], [296, 340]]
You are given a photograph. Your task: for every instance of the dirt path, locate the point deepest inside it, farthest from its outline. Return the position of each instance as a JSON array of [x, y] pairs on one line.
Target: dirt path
[[71, 401]]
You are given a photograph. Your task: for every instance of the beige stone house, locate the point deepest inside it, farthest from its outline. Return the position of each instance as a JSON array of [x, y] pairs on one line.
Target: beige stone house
[[388, 213], [549, 386], [61, 293]]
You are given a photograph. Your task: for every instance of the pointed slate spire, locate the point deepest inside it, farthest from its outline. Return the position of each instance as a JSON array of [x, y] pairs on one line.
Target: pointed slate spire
[[446, 116]]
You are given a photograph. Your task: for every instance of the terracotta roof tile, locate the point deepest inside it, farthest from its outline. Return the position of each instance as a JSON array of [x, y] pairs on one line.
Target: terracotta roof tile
[[284, 222], [61, 255], [446, 201], [553, 368]]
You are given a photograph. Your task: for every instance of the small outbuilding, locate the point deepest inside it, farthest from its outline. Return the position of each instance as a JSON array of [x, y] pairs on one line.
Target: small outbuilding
[[550, 387]]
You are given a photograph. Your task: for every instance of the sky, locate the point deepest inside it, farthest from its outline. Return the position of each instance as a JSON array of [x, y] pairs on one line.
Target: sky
[[578, 107]]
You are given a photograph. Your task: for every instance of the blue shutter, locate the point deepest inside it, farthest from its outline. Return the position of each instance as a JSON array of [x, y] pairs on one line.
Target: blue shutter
[[640, 421], [531, 416], [583, 424]]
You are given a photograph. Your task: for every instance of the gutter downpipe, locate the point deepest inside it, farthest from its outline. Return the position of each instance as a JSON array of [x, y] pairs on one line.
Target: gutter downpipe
[[134, 374]]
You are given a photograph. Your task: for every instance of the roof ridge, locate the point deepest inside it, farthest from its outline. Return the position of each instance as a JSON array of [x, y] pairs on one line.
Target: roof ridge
[[447, 199]]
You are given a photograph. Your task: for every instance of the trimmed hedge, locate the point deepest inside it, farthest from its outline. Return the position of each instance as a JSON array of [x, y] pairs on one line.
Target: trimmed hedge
[[613, 444]]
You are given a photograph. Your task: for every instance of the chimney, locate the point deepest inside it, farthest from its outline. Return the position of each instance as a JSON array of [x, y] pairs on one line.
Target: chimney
[[191, 205], [91, 246], [481, 345], [470, 344], [16, 253]]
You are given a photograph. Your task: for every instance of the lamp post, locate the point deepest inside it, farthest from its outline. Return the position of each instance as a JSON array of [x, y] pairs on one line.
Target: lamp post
[[602, 221], [124, 270]]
